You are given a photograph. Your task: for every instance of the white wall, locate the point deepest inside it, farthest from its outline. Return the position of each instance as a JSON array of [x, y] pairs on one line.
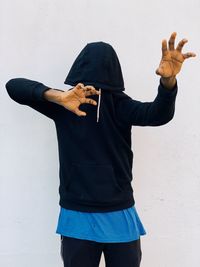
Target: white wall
[[39, 40]]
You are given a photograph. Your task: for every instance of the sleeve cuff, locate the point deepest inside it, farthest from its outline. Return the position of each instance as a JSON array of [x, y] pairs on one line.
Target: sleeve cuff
[[38, 92]]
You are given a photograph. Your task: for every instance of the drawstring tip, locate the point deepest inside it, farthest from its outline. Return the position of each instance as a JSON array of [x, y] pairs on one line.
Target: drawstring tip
[[98, 105]]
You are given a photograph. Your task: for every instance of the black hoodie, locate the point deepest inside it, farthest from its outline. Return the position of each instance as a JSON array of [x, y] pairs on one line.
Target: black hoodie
[[95, 151]]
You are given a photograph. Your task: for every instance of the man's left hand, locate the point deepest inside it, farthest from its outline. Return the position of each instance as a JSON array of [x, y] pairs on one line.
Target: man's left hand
[[172, 60]]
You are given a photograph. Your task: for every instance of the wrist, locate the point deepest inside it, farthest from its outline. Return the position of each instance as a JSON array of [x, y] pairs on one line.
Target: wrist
[[168, 82]]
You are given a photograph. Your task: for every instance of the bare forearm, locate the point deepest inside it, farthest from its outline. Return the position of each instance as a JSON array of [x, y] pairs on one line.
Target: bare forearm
[[53, 95]]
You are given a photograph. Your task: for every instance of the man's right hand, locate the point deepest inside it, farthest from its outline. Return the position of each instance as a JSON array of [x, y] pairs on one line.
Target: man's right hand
[[73, 98]]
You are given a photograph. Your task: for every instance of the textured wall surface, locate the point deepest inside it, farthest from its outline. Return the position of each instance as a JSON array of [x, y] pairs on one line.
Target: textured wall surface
[[39, 40]]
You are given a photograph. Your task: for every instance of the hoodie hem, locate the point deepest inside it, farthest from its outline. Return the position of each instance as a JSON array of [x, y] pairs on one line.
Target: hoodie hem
[[86, 208]]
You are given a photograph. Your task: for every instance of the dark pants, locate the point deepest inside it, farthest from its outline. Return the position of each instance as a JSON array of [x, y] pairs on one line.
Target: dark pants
[[85, 253]]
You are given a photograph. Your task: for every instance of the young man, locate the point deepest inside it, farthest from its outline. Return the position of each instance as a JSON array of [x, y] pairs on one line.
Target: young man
[[96, 197]]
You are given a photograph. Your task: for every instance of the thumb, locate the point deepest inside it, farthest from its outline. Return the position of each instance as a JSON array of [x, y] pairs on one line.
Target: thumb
[[159, 71]]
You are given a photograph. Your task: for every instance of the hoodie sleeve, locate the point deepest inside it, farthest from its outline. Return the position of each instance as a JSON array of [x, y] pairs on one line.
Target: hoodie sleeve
[[30, 93], [155, 113]]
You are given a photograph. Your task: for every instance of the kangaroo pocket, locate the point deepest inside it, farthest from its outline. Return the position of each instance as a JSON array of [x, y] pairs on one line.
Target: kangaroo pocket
[[93, 182]]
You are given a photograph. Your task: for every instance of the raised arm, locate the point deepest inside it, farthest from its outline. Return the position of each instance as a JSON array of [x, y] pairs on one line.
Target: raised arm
[[161, 110], [155, 113], [31, 93], [48, 101]]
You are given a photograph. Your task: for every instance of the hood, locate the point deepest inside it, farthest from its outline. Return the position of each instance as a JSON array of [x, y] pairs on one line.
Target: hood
[[98, 65]]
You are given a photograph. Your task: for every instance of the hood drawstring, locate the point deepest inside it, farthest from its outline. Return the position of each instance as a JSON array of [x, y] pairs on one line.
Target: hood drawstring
[[99, 100]]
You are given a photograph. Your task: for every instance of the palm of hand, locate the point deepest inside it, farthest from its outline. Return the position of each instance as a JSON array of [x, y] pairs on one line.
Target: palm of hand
[[172, 59], [171, 63], [72, 99]]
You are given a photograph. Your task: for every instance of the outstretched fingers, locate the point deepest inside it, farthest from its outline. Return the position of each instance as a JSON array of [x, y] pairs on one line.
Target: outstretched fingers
[[181, 44], [84, 101], [90, 90], [164, 48], [189, 54], [79, 86], [88, 101], [172, 41], [79, 112]]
